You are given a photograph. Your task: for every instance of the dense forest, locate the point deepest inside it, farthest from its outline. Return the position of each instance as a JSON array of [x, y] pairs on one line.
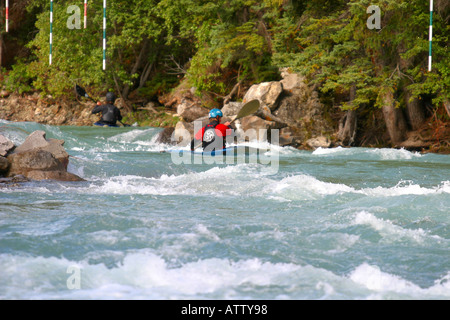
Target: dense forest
[[221, 47]]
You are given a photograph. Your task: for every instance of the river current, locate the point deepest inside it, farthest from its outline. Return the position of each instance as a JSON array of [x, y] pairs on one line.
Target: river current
[[341, 223]]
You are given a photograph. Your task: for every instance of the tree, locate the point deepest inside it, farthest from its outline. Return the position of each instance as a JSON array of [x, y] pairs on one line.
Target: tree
[[333, 47]]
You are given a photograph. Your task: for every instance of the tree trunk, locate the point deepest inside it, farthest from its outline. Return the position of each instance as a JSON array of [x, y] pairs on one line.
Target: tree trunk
[[447, 106], [348, 123], [145, 74], [1, 50], [394, 119], [232, 93], [139, 62], [414, 111], [347, 128], [127, 107]]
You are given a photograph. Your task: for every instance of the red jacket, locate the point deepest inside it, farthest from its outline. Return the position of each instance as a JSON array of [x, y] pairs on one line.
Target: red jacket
[[221, 131]]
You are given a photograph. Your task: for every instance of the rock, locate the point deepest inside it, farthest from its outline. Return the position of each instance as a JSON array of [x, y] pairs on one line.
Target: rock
[[415, 141], [37, 140], [55, 146], [33, 141], [293, 83], [291, 110], [319, 142], [4, 93], [120, 103], [287, 137], [40, 159], [165, 136], [33, 160], [191, 111], [183, 133], [13, 181], [254, 128], [299, 102], [38, 164], [6, 145], [231, 109], [4, 165], [267, 93], [53, 175]]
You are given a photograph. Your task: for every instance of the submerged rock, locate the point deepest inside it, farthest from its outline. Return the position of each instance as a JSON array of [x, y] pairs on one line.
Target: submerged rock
[[13, 181], [319, 142]]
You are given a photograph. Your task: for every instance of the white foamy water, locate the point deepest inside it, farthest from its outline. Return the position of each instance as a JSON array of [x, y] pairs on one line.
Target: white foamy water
[[342, 223], [382, 154], [144, 275]]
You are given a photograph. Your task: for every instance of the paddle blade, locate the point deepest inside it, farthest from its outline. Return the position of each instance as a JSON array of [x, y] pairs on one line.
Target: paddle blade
[[81, 91], [249, 108]]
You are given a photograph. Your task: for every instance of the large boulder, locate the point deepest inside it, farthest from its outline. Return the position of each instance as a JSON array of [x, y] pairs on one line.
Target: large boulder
[[6, 146], [33, 160], [231, 109], [37, 140], [183, 133], [268, 93], [293, 83], [40, 159], [38, 164], [254, 128]]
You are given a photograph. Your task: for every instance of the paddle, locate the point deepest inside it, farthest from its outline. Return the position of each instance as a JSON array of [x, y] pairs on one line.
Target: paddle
[[247, 109], [80, 91]]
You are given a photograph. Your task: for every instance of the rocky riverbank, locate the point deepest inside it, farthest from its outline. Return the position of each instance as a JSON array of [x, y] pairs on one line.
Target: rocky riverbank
[[291, 105]]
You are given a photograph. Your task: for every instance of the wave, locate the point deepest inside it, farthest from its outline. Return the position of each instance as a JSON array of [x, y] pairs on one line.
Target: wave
[[249, 180], [385, 285], [391, 232], [143, 274], [378, 153]]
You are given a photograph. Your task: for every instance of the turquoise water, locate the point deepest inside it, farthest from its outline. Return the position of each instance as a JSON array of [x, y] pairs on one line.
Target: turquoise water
[[330, 224]]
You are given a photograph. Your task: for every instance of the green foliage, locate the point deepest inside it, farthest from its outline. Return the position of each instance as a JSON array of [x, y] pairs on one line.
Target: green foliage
[[334, 48], [214, 44], [18, 79]]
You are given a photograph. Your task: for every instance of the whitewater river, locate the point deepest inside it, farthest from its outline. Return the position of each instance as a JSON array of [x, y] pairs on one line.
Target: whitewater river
[[330, 224]]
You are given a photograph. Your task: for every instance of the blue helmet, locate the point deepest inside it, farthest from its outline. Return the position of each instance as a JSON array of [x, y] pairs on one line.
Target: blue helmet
[[215, 113]]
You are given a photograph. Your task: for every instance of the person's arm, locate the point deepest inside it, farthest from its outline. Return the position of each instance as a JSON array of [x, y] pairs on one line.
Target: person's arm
[[98, 108], [197, 137], [119, 115], [224, 130]]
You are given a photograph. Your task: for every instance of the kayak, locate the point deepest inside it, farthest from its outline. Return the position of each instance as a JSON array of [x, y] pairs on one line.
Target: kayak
[[230, 151], [99, 124]]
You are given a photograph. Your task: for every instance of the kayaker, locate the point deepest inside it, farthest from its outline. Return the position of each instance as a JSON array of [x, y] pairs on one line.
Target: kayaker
[[110, 113], [213, 135]]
